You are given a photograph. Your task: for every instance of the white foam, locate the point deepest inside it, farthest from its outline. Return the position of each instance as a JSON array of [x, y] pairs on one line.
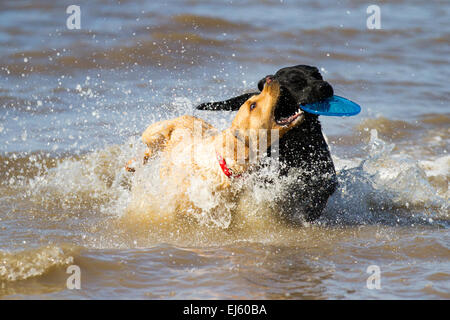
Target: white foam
[[386, 180], [382, 181], [436, 167]]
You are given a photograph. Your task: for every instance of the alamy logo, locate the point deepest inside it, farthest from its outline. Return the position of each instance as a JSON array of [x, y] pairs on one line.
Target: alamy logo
[[374, 281], [73, 281], [374, 20], [256, 140], [74, 20]]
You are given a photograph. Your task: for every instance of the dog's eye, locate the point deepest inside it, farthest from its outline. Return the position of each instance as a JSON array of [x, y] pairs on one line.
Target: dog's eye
[[253, 106]]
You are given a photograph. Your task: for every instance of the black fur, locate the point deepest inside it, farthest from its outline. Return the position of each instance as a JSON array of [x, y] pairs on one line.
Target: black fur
[[303, 147]]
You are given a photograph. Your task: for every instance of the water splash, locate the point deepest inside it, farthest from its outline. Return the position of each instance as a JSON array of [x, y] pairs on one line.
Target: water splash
[[15, 266], [384, 187]]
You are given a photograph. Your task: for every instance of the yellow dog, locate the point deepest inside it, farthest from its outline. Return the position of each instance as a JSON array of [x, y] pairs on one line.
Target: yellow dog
[[190, 147]]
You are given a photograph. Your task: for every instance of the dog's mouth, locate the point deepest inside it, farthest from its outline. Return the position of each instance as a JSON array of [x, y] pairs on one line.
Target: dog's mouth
[[286, 110], [288, 120]]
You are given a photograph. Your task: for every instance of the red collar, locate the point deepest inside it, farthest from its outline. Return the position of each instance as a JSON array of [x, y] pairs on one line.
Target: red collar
[[225, 169]]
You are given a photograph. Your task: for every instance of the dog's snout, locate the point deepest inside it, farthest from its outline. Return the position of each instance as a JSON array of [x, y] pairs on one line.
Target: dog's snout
[[263, 81], [324, 89], [273, 85]]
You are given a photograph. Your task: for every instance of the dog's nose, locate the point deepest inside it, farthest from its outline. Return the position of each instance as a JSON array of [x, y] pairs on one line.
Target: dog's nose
[[263, 81], [325, 90]]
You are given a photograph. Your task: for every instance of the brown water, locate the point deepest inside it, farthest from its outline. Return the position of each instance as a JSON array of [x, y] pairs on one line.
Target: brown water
[[74, 102]]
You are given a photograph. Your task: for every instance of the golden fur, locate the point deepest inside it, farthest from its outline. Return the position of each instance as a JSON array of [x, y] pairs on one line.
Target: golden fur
[[188, 146]]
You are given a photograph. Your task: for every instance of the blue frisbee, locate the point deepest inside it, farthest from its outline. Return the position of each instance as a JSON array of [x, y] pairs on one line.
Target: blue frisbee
[[333, 106]]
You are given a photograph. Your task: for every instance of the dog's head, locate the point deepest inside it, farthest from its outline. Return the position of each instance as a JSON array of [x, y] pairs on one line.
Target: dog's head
[[262, 112], [299, 85]]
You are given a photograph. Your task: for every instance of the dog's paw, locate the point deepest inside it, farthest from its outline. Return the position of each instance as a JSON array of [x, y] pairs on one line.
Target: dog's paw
[[130, 166]]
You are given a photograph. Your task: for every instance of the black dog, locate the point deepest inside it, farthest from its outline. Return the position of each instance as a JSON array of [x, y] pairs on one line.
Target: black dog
[[303, 147]]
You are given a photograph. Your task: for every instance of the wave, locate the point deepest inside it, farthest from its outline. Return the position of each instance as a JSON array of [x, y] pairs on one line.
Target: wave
[[91, 197], [385, 186], [26, 264], [157, 46], [390, 187], [207, 23]]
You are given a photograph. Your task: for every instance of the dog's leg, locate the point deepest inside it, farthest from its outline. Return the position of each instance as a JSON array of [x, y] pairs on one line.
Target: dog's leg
[[154, 137], [132, 162], [157, 135]]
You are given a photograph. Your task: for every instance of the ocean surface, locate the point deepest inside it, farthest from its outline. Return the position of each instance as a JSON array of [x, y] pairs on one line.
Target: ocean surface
[[73, 104]]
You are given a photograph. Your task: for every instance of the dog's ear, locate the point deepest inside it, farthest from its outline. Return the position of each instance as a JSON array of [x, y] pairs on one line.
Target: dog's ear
[[261, 84], [232, 104], [308, 70], [314, 72]]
